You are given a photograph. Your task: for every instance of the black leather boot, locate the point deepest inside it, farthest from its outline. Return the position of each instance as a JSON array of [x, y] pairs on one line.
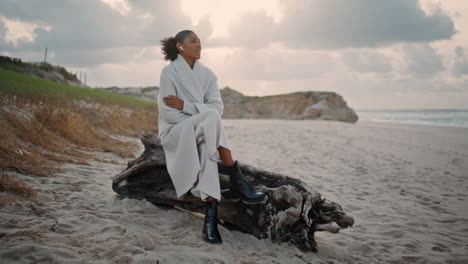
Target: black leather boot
[[241, 187], [210, 226]]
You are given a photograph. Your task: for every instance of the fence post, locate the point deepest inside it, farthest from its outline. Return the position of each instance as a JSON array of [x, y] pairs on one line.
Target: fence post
[[45, 55]]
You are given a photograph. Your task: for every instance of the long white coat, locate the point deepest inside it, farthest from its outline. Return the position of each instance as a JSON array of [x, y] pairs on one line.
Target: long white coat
[[191, 136]]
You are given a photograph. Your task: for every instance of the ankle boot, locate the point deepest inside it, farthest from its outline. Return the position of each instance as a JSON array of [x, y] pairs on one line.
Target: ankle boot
[[241, 187], [210, 226]]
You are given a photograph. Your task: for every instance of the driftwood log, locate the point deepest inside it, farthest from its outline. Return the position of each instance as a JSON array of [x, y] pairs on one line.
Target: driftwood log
[[293, 212]]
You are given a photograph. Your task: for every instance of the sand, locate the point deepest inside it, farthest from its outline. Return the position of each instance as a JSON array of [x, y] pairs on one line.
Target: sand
[[406, 186]]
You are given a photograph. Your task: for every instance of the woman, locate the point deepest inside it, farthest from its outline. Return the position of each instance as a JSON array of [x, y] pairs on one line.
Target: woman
[[191, 130]]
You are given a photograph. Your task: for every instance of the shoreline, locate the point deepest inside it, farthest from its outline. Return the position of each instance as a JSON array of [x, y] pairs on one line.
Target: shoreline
[[359, 121], [411, 123], [369, 122]]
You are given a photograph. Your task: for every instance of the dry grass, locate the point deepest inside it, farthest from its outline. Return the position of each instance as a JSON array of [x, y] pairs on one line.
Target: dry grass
[[12, 185], [37, 235], [20, 146], [38, 134]]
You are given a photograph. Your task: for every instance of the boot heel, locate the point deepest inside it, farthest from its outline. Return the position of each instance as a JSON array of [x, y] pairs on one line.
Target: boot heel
[[210, 232], [240, 186]]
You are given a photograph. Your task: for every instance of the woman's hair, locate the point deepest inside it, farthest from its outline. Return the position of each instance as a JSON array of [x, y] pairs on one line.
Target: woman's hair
[[168, 45]]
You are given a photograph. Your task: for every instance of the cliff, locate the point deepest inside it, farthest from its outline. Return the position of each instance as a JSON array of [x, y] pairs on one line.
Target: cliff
[[298, 105]]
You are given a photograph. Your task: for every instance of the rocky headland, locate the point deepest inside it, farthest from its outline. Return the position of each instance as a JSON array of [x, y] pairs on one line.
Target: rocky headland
[[298, 105]]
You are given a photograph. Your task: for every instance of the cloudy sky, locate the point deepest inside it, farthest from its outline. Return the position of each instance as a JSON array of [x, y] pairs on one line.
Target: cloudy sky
[[378, 54]]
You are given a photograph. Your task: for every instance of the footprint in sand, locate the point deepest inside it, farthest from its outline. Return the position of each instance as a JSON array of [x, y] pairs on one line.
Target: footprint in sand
[[441, 249], [394, 233], [414, 259], [363, 249], [456, 161]]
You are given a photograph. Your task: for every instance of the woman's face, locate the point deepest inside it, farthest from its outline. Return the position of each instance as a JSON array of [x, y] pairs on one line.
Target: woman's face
[[192, 47]]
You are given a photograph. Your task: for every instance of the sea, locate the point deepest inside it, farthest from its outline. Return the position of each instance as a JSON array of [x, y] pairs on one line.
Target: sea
[[438, 117]]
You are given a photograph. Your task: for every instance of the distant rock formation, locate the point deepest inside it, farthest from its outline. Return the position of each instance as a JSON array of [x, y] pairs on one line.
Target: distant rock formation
[[41, 70], [298, 105], [149, 93]]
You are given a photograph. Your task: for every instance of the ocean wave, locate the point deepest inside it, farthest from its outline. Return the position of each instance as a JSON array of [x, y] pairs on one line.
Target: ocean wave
[[440, 117]]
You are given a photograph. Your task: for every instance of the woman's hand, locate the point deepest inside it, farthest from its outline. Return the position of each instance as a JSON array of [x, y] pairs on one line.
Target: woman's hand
[[174, 102]]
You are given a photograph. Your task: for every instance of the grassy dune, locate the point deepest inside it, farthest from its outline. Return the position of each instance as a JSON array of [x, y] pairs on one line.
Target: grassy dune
[[23, 85], [45, 124]]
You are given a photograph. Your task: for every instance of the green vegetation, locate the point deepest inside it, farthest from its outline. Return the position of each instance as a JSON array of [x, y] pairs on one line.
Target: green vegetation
[[23, 85], [246, 98]]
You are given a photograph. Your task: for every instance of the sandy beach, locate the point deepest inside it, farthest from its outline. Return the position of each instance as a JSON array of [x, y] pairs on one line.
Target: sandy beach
[[405, 185]]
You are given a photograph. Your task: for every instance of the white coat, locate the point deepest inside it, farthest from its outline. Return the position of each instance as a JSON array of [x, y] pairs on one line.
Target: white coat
[[191, 136]]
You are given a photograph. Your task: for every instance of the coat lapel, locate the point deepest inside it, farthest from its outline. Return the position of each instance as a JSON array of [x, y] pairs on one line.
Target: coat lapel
[[190, 81]]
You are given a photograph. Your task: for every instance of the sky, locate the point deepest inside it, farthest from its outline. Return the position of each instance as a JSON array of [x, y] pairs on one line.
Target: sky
[[377, 54]]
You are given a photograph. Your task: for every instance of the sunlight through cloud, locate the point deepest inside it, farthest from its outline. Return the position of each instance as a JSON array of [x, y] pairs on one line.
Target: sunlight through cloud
[[21, 31]]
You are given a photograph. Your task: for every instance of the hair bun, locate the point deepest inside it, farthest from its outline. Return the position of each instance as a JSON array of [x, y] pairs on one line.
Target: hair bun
[[169, 48], [168, 45]]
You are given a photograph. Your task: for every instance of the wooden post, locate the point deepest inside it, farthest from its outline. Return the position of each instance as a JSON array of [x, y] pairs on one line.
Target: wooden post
[[45, 55]]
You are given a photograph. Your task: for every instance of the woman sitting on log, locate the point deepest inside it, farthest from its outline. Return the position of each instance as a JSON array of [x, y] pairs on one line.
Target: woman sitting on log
[[191, 130]]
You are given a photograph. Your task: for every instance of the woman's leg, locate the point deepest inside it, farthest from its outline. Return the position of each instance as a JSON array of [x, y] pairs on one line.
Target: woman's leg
[[225, 155]]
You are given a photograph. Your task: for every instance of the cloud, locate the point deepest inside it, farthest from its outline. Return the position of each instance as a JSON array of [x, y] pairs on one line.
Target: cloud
[[203, 29], [260, 29], [132, 74], [92, 57], [422, 60], [364, 60], [74, 24], [272, 63], [460, 62], [3, 31], [17, 32], [336, 24], [81, 30], [167, 19], [120, 6]]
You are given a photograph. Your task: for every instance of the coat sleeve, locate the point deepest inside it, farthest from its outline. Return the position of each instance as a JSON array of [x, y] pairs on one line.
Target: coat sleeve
[[213, 100], [169, 114]]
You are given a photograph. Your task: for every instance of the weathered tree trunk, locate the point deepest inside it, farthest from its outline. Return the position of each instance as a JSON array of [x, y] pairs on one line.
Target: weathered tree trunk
[[292, 213]]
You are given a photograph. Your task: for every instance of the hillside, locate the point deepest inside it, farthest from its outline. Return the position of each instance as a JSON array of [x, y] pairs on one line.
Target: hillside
[[45, 124], [40, 70]]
